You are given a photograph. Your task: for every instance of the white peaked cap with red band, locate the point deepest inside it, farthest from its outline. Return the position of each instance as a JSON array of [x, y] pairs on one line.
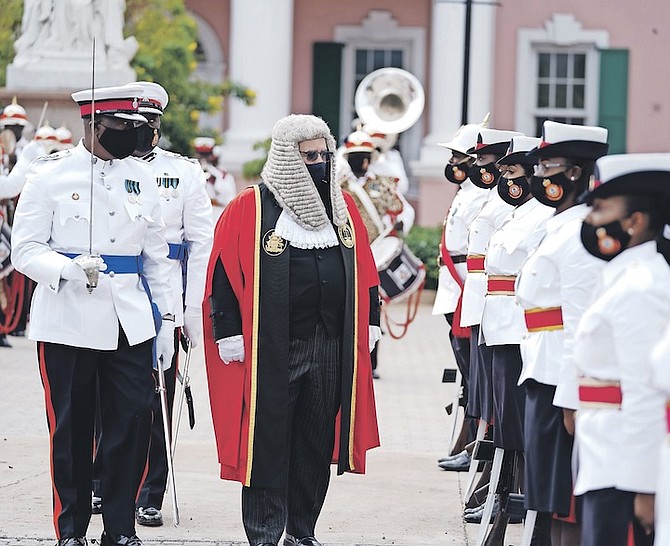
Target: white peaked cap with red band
[[464, 139], [154, 98], [204, 145], [519, 146], [359, 141], [121, 101], [493, 141], [572, 141], [630, 174]]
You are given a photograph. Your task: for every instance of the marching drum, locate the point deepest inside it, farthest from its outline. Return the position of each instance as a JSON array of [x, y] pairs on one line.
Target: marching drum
[[401, 273]]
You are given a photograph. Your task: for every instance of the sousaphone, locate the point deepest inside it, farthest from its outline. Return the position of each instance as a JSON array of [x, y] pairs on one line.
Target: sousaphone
[[389, 99]]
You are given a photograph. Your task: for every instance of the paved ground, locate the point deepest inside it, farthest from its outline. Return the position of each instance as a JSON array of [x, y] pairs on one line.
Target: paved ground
[[404, 499]]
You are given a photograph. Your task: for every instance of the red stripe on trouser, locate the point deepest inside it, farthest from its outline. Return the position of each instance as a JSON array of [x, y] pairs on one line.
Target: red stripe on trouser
[[495, 286], [475, 265], [550, 318], [51, 420], [610, 394], [667, 416]]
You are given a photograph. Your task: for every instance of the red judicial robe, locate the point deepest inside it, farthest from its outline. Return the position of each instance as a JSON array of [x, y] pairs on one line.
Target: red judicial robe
[[249, 401]]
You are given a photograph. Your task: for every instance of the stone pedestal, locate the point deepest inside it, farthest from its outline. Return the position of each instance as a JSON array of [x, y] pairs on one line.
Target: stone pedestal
[[70, 74]]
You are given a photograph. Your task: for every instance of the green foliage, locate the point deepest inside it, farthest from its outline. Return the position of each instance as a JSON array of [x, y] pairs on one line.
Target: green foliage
[[425, 243], [10, 30], [252, 168], [167, 41]]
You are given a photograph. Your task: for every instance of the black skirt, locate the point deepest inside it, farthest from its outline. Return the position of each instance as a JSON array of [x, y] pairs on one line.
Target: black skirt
[[480, 399], [509, 399], [548, 446]]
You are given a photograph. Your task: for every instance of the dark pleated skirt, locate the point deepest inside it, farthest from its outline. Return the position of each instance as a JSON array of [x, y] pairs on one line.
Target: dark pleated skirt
[[509, 399], [548, 447], [480, 398]]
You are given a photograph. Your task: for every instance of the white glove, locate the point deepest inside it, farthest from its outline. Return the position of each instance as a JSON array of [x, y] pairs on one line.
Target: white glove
[[165, 344], [193, 324], [80, 267], [374, 335], [231, 349]]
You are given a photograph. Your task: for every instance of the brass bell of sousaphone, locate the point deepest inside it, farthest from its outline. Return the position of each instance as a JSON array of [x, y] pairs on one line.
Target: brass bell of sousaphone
[[389, 99]]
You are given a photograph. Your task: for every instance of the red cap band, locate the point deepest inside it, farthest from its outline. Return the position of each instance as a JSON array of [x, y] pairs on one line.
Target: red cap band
[[102, 106]]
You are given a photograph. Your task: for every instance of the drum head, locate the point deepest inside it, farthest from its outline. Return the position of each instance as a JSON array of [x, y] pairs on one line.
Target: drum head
[[385, 249]]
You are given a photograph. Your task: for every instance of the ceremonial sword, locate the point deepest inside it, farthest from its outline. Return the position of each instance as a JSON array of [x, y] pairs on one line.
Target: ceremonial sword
[[185, 393]]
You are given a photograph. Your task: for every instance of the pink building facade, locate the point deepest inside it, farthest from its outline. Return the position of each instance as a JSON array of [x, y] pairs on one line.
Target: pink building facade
[[599, 62]]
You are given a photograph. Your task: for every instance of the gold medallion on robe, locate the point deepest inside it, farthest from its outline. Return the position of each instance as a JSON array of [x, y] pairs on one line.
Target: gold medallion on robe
[[273, 244], [346, 235]]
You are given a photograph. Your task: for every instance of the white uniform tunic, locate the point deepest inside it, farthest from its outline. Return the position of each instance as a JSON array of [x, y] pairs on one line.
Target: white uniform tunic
[[620, 447], [467, 203], [660, 378], [187, 213], [489, 220], [560, 273], [509, 247], [11, 184], [221, 189], [53, 217]]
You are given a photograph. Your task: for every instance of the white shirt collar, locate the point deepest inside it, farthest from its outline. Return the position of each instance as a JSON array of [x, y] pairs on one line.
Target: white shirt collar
[[639, 253], [299, 237]]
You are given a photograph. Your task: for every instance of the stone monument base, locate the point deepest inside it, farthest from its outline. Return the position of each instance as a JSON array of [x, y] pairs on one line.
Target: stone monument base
[[71, 76]]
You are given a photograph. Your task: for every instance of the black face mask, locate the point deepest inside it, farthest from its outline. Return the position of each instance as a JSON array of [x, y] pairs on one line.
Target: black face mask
[[606, 241], [513, 191], [552, 191], [119, 143], [147, 138], [318, 172], [484, 176], [456, 174]]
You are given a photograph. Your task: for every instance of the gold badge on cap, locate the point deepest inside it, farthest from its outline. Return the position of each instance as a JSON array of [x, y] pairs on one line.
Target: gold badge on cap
[[346, 235], [273, 244]]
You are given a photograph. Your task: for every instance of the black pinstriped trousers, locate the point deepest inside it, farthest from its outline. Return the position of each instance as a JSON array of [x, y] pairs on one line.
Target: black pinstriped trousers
[[315, 380]]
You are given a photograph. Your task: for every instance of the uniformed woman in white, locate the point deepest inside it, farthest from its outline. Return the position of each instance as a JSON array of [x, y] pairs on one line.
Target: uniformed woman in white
[[554, 288], [189, 229], [491, 146], [465, 206], [660, 362], [621, 418], [85, 212]]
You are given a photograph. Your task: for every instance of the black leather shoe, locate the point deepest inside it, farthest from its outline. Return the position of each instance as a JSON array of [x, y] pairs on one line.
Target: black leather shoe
[[80, 541], [458, 463], [4, 342], [304, 541], [120, 540], [476, 515]]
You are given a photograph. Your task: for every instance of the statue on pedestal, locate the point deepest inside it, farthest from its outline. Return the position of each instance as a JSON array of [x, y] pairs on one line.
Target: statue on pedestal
[[56, 40]]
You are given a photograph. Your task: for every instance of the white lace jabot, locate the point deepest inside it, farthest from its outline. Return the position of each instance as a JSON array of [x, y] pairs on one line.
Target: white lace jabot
[[299, 237]]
